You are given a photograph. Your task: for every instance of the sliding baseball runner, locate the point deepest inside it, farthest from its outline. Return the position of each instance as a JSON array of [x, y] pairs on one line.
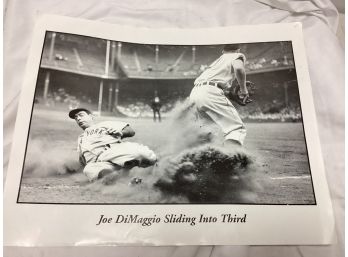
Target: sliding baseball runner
[[101, 149]]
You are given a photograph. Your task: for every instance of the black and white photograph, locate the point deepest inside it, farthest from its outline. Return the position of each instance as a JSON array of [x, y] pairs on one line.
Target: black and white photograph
[[119, 122], [123, 134]]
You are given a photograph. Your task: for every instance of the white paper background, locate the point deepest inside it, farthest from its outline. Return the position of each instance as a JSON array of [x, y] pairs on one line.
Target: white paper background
[[326, 64]]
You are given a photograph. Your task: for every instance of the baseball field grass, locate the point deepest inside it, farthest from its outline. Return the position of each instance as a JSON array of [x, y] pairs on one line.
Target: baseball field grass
[[280, 172]]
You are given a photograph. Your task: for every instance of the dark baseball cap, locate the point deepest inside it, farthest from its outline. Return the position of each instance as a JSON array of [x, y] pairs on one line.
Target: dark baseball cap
[[73, 112]]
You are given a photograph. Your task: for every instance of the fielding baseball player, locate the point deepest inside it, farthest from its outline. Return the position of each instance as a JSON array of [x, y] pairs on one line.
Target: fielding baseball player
[[209, 99], [101, 149]]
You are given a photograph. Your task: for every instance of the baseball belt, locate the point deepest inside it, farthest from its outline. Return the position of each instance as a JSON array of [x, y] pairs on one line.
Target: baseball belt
[[210, 83]]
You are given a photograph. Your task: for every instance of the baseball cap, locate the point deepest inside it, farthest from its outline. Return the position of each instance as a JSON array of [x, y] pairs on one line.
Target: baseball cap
[[73, 112]]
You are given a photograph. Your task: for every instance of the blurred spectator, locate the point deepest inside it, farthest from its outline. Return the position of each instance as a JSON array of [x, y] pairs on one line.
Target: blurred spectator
[[203, 67], [60, 57], [149, 67], [285, 61], [156, 107], [275, 62], [262, 61], [73, 102]]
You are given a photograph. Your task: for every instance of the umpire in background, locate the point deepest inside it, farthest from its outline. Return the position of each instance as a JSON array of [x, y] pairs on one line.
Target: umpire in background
[[156, 107]]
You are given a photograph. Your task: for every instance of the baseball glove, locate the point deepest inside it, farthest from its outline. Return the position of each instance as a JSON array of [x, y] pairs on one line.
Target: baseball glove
[[234, 93]]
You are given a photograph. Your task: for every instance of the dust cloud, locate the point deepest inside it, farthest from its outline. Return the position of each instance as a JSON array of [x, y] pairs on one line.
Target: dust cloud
[[193, 167], [44, 159], [198, 167]]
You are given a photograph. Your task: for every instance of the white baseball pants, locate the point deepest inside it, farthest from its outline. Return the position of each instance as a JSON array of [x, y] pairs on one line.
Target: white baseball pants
[[121, 156], [213, 106]]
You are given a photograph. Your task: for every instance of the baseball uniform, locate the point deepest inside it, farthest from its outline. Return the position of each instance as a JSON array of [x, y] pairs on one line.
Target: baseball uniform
[[100, 147], [210, 101]]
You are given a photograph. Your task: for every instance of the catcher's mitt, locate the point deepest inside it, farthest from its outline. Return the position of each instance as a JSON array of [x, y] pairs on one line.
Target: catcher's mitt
[[235, 94]]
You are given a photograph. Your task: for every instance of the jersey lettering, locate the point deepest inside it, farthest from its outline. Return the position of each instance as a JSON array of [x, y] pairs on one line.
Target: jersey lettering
[[93, 140]]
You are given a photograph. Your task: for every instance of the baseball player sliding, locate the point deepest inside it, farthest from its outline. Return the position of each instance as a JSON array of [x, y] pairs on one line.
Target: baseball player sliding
[[100, 146], [209, 99]]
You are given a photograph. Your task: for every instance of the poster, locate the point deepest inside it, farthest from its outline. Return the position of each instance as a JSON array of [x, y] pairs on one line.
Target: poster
[[124, 134]]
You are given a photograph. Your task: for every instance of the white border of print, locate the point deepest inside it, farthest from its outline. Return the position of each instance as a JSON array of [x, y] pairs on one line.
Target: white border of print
[[57, 225]]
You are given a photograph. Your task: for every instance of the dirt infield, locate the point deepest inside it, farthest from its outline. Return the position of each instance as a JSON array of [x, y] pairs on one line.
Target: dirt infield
[[280, 173]]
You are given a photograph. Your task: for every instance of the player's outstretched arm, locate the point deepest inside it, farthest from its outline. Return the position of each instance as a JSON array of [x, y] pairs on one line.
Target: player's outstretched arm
[[127, 132]]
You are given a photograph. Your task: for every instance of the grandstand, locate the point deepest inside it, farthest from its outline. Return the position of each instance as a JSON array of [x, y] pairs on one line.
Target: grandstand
[[264, 57], [112, 75], [69, 54], [75, 54]]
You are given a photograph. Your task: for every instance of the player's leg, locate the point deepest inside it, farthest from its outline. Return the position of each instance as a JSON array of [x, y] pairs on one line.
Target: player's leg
[[154, 115], [96, 170], [230, 123], [140, 155], [198, 99], [208, 130], [224, 114], [129, 154], [159, 115]]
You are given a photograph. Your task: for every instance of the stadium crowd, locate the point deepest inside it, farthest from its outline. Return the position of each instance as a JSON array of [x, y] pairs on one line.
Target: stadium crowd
[[61, 100], [151, 62]]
